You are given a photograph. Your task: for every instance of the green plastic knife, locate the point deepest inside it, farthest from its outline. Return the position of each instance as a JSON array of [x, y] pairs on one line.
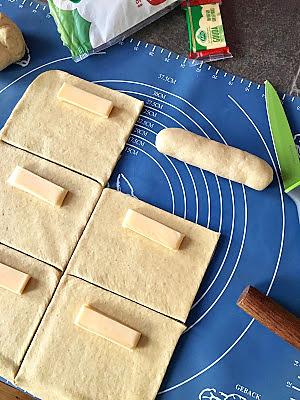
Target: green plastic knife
[[285, 147]]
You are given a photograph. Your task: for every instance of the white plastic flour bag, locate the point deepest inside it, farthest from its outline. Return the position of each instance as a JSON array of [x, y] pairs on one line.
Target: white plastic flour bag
[[89, 26]]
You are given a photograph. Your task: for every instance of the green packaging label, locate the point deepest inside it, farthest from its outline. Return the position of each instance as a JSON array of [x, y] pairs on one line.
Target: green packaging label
[[205, 27]]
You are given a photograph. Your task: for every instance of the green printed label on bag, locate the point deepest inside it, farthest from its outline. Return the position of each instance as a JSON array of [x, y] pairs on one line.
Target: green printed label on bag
[[73, 28], [205, 27]]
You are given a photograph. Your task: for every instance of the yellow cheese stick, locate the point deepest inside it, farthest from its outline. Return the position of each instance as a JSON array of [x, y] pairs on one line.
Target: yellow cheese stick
[[101, 325], [12, 279], [153, 230], [85, 100], [226, 161], [37, 186]]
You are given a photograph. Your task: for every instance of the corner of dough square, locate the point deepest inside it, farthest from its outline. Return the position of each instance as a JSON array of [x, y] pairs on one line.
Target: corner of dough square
[[21, 315], [35, 227], [67, 362], [67, 134], [138, 268]]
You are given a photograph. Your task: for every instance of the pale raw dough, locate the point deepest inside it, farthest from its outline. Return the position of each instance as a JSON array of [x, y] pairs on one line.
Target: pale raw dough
[[138, 268], [34, 227], [66, 362], [12, 45], [226, 161], [68, 135], [20, 315]]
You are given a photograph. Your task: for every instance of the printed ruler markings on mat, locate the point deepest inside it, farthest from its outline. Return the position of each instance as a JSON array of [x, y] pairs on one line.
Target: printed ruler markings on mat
[[293, 384], [32, 6]]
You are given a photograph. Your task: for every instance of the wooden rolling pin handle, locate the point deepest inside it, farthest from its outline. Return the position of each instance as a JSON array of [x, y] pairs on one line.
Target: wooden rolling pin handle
[[270, 314]]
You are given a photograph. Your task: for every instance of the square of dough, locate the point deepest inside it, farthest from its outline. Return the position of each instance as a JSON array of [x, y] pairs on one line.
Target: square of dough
[[21, 315], [138, 268], [68, 135], [34, 227], [70, 363]]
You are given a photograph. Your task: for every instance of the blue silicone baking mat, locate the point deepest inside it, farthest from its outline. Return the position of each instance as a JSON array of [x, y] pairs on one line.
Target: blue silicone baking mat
[[223, 355]]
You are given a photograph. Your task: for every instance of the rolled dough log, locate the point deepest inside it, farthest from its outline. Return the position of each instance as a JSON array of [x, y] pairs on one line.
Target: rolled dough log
[[226, 161], [12, 45]]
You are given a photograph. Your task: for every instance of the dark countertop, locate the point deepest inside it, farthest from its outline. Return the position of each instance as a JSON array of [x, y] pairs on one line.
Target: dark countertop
[[263, 35]]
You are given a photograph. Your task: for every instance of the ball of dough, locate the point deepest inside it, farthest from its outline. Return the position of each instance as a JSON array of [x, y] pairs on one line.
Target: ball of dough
[[12, 44]]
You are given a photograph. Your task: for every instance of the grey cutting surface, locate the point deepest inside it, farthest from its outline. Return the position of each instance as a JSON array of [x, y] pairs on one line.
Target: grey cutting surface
[[264, 37]]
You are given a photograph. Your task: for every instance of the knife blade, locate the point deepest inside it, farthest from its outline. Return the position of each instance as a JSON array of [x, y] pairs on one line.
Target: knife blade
[[285, 147]]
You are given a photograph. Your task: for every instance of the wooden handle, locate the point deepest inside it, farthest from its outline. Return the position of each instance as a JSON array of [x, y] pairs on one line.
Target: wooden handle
[[10, 393], [270, 314]]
